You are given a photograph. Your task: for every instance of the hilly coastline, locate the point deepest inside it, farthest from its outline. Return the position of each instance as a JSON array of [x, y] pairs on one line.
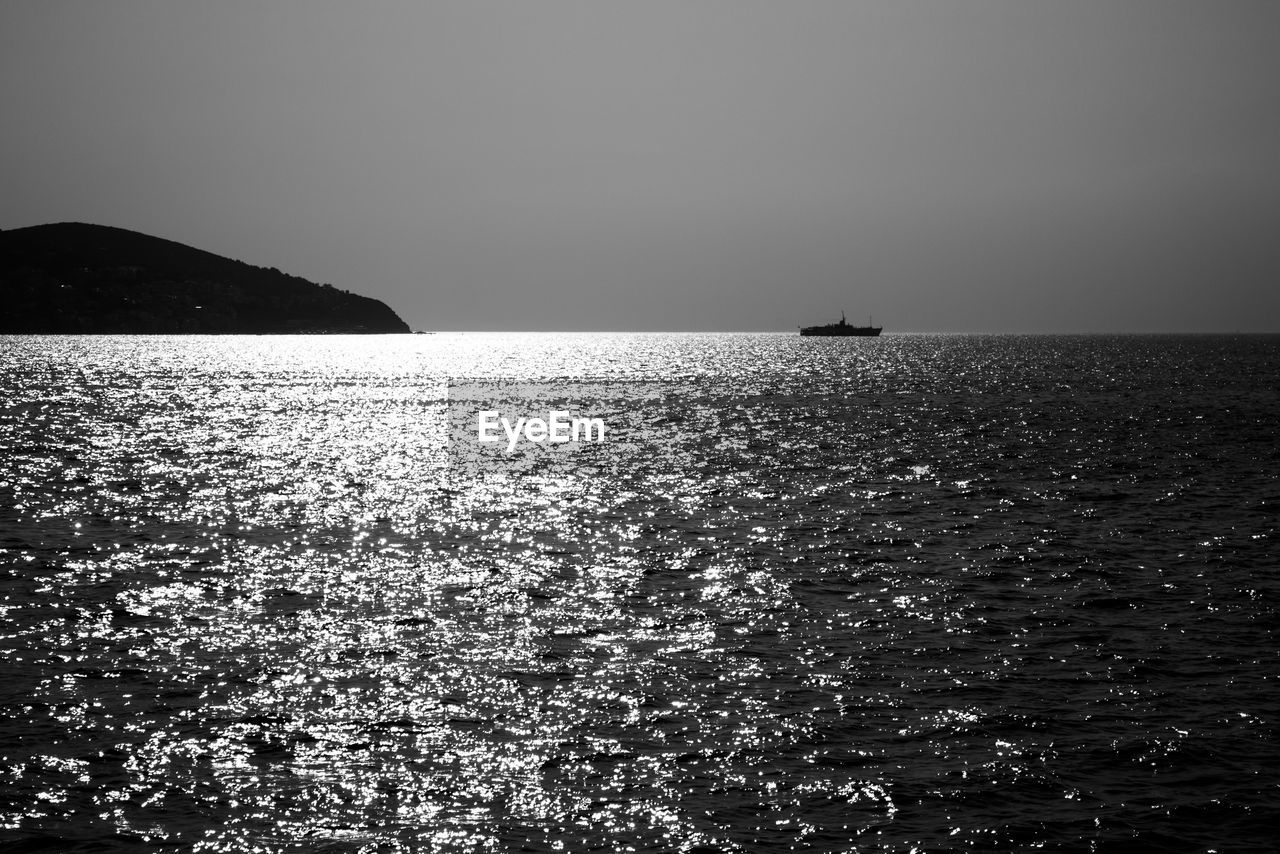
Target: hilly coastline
[[92, 279]]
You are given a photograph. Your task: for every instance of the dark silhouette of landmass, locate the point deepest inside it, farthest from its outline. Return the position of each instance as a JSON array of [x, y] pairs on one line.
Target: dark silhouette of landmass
[[72, 277]]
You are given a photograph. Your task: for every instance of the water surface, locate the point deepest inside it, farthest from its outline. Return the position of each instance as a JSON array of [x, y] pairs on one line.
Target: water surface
[[942, 593]]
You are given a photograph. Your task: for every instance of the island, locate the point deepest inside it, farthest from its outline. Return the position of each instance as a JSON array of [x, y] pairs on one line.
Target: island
[[77, 278]]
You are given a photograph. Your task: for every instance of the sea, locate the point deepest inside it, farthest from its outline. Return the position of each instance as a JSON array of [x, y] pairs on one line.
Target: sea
[[915, 593]]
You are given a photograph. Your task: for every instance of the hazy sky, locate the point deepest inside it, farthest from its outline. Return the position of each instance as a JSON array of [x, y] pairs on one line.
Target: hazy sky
[[966, 165]]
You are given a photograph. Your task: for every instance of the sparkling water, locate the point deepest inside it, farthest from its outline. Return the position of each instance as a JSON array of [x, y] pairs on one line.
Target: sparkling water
[[935, 593]]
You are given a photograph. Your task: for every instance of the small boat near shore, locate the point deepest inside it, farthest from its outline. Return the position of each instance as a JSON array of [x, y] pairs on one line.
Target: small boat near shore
[[843, 328]]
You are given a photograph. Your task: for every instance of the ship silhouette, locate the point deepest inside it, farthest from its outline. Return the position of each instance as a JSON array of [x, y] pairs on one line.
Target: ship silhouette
[[842, 328]]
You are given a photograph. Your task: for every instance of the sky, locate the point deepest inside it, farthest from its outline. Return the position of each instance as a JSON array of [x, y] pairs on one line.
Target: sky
[[942, 165]]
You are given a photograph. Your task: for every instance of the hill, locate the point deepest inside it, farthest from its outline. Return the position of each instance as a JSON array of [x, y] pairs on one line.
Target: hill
[[79, 278]]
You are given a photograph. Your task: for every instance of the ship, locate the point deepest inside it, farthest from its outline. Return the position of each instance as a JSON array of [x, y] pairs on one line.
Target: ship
[[843, 328]]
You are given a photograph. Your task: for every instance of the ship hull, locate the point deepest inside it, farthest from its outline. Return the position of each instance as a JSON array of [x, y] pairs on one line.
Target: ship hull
[[838, 331]]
